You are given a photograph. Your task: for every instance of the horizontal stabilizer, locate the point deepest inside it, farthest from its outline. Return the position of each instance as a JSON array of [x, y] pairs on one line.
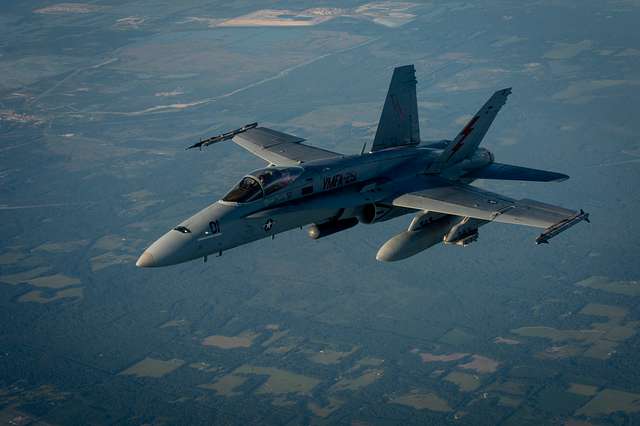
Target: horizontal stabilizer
[[500, 171]]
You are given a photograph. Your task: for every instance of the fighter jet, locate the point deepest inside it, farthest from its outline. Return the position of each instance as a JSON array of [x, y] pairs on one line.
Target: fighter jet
[[304, 185]]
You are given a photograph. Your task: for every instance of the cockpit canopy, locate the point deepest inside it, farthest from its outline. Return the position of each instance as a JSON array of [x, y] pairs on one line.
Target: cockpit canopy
[[262, 183]]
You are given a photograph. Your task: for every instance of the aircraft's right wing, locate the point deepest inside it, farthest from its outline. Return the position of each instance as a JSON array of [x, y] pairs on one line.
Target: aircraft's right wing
[[509, 172], [280, 148], [468, 201]]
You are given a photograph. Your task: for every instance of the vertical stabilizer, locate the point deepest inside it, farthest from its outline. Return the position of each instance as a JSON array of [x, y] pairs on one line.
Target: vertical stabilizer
[[398, 125], [467, 141]]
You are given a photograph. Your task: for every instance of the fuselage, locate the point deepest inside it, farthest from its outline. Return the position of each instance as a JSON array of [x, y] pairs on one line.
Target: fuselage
[[277, 199]]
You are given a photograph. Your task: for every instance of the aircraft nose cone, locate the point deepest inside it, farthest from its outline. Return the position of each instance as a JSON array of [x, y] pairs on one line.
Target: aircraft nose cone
[[146, 260]]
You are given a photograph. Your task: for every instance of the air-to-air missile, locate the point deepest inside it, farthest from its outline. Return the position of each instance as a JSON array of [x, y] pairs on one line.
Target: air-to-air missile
[[222, 137]]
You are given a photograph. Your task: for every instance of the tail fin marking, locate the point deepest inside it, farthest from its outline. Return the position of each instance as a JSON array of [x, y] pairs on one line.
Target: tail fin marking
[[469, 138]]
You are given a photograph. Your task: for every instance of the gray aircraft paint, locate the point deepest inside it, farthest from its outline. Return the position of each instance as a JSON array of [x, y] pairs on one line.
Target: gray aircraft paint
[[396, 177]]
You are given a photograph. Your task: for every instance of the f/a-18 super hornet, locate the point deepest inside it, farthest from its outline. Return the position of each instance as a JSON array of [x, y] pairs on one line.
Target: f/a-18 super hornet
[[331, 192]]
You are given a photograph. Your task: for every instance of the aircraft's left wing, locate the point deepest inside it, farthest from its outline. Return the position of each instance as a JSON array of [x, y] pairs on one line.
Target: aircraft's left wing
[[280, 148], [465, 200]]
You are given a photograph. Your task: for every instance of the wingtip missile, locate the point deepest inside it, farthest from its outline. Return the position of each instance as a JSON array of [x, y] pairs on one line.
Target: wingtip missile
[[195, 145], [561, 226], [223, 136]]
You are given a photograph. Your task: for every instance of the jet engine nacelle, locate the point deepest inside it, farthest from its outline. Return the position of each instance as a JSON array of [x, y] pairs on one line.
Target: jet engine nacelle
[[330, 228], [408, 243], [374, 213], [481, 158]]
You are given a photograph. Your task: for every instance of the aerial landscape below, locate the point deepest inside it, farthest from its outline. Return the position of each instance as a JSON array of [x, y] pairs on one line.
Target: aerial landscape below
[[98, 102]]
